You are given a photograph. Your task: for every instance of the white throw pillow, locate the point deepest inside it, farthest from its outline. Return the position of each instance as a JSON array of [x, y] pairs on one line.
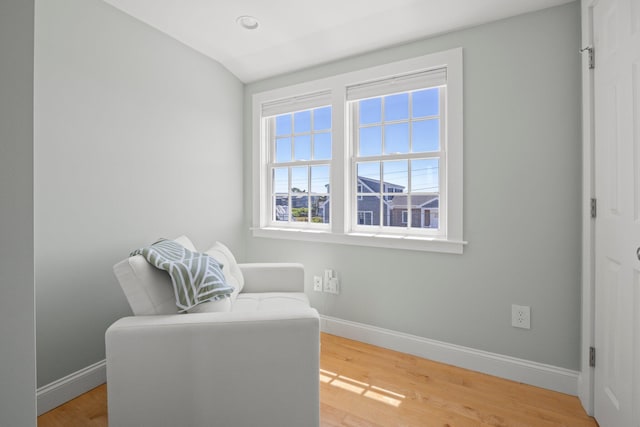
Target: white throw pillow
[[230, 269], [186, 242]]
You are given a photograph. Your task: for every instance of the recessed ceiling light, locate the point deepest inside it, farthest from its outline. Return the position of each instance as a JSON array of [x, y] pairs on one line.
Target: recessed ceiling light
[[248, 22]]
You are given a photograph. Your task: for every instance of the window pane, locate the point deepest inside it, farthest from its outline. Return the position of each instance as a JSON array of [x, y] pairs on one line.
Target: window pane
[[302, 147], [396, 138], [426, 136], [368, 211], [322, 118], [283, 124], [425, 176], [300, 179], [426, 102], [430, 217], [281, 207], [369, 176], [395, 206], [396, 107], [370, 111], [281, 180], [416, 215], [283, 150], [302, 121], [320, 209], [396, 176], [370, 141], [300, 208], [322, 146], [320, 179]]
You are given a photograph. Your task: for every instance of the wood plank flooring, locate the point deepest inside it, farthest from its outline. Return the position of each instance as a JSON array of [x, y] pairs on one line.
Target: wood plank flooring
[[367, 386]]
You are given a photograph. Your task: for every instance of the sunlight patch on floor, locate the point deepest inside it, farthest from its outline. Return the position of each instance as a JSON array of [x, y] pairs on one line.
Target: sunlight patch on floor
[[364, 389]]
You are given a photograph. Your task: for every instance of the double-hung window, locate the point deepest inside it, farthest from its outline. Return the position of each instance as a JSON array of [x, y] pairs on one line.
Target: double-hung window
[[398, 128], [371, 157], [298, 140]]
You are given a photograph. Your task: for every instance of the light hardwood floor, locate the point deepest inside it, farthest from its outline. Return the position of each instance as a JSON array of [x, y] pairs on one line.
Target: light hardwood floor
[[367, 386]]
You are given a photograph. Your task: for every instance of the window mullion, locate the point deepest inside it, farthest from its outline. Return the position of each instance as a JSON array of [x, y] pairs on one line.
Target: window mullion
[[409, 191], [309, 191], [381, 192], [290, 201], [339, 164]]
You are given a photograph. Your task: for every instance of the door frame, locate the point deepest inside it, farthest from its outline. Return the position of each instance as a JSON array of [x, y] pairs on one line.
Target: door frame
[[586, 377]]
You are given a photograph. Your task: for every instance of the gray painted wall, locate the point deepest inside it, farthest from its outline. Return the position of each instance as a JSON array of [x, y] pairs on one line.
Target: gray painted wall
[[521, 200], [136, 137], [17, 323]]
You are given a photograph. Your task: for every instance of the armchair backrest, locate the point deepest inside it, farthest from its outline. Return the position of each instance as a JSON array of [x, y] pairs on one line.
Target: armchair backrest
[[148, 289]]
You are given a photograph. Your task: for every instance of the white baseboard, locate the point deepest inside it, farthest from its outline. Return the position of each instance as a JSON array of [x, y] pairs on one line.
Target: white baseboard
[[511, 368], [71, 386], [525, 371]]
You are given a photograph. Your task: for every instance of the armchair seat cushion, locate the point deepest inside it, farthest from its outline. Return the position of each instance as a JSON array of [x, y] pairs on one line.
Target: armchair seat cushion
[[270, 301]]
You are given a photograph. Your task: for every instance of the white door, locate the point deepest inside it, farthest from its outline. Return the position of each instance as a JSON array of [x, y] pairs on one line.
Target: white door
[[616, 35]]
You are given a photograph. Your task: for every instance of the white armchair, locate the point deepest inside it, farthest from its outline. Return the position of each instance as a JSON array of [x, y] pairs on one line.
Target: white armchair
[[255, 364]]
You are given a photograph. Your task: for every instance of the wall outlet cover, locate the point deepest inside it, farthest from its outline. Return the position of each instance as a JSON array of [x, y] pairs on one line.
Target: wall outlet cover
[[521, 316], [317, 283]]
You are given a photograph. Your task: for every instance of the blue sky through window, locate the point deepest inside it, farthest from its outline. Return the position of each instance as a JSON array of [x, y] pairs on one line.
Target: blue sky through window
[[370, 111], [386, 128], [426, 135], [396, 138], [396, 107], [302, 121], [302, 147], [319, 179], [396, 172], [283, 150], [425, 176], [426, 103], [308, 144], [299, 179], [283, 125], [322, 118], [280, 180], [322, 146]]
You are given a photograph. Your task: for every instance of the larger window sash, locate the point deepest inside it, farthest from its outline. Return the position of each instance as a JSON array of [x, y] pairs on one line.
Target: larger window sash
[[392, 201]]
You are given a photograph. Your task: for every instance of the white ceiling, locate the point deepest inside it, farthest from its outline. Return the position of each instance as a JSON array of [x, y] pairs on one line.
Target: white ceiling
[[296, 34]]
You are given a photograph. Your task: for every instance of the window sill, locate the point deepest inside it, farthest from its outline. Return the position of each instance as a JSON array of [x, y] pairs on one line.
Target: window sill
[[414, 243]]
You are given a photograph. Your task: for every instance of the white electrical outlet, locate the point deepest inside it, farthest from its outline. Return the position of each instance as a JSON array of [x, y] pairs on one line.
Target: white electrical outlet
[[521, 316], [317, 283]]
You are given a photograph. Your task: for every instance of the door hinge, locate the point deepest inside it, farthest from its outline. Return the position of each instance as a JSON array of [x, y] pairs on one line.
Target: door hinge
[[592, 56], [594, 207], [592, 356]]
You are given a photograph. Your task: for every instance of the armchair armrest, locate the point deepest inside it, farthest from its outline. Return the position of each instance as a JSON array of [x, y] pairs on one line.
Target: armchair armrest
[[273, 277], [227, 369]]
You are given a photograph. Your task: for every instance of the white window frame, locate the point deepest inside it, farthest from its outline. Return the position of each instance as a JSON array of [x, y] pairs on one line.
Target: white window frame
[[306, 103], [382, 90], [448, 240]]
